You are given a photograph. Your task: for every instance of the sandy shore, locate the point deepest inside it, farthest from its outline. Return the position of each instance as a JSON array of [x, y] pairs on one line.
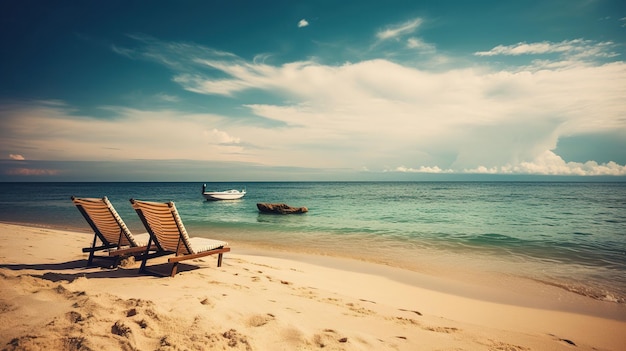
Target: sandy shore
[[258, 300]]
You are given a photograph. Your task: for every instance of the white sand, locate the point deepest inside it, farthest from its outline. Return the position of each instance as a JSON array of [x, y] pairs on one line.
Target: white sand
[[260, 300]]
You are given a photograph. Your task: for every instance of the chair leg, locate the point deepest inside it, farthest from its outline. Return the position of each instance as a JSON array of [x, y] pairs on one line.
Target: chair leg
[[219, 260], [93, 249], [145, 256], [174, 269], [143, 264], [90, 260], [117, 261]]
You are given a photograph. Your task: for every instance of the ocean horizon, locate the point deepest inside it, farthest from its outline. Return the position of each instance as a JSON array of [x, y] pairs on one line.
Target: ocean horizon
[[566, 234]]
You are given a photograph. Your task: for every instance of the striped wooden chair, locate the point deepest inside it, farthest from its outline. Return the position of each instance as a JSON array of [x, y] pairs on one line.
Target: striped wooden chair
[[169, 235], [111, 235]]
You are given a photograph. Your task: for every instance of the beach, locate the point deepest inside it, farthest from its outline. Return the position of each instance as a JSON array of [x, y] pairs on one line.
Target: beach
[[264, 300]]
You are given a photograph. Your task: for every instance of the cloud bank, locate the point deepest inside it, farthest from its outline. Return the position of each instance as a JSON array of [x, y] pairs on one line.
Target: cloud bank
[[376, 114]]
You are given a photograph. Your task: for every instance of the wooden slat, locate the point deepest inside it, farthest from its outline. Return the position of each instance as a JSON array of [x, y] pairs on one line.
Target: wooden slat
[[164, 223], [103, 217]]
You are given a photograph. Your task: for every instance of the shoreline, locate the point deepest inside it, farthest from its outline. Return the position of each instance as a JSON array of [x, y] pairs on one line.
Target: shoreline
[[264, 299], [446, 276], [432, 237], [490, 287]]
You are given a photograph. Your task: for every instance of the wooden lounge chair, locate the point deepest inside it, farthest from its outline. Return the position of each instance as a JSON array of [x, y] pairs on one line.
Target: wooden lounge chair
[[110, 230], [168, 234]]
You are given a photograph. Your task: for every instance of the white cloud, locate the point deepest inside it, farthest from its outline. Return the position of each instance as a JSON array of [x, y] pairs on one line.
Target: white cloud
[[123, 51], [398, 30], [16, 157], [372, 114], [53, 133], [422, 169], [548, 163], [221, 137], [417, 43], [577, 48], [303, 23], [385, 110], [167, 97]]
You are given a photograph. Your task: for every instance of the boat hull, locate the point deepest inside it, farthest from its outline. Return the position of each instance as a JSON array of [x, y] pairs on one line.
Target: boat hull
[[223, 195]]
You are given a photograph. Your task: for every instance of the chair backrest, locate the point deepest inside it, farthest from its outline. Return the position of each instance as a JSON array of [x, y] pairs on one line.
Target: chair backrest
[[163, 222], [104, 220]]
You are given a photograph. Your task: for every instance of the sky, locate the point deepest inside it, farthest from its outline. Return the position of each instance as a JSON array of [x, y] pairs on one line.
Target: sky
[[233, 90]]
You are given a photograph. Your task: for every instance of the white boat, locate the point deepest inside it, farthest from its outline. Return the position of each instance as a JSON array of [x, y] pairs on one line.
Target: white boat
[[222, 195]]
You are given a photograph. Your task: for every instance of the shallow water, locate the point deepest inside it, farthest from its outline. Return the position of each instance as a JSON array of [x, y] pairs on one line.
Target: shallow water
[[571, 235]]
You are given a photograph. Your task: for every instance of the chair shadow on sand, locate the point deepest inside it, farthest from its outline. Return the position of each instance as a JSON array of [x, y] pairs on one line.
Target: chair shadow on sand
[[56, 271]]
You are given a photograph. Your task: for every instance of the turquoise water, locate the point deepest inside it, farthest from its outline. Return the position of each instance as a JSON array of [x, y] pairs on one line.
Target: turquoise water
[[571, 235]]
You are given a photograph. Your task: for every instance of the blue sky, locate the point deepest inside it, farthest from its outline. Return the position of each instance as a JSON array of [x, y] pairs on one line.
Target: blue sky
[[311, 90]]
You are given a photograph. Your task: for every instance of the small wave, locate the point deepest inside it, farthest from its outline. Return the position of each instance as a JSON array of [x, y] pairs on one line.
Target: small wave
[[587, 291], [495, 238]]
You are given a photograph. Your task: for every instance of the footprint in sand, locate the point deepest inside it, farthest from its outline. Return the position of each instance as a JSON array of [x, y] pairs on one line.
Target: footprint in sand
[[235, 339], [121, 329], [207, 302], [416, 312], [6, 307], [74, 317], [402, 320], [567, 341], [498, 345], [328, 337], [436, 329], [359, 309], [258, 320], [446, 330], [307, 293]]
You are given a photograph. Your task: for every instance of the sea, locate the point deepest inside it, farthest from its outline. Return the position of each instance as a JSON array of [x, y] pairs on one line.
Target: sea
[[568, 235]]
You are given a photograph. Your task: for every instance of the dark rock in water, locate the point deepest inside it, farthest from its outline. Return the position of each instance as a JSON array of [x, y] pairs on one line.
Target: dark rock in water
[[280, 208]]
